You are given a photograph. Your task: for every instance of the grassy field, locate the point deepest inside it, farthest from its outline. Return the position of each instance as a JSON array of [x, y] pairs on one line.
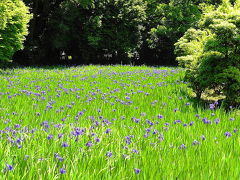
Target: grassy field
[[112, 122]]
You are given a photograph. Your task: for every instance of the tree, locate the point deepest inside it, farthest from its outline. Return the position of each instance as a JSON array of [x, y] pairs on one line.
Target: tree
[[13, 27], [88, 32], [166, 22], [211, 53], [84, 29]]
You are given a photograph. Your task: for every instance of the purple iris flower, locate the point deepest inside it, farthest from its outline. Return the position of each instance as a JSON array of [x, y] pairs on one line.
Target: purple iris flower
[[191, 123], [9, 167], [17, 125], [58, 157], [206, 121], [109, 154], [227, 134], [136, 120], [197, 115], [128, 140], [160, 116], [18, 141], [60, 135], [64, 144], [50, 136], [127, 97], [62, 171], [80, 113], [212, 106], [177, 121], [137, 171], [97, 140], [89, 144], [148, 130], [135, 151], [108, 131]]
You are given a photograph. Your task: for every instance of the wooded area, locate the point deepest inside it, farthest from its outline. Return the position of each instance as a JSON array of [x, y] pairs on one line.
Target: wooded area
[[107, 31]]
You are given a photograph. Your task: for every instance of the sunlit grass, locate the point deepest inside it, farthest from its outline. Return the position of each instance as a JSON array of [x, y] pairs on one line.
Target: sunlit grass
[[111, 122]]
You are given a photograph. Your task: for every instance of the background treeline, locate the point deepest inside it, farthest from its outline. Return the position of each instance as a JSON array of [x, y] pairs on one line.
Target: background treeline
[[107, 31]]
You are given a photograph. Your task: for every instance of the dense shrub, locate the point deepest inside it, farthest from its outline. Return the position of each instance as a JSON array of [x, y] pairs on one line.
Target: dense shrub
[[211, 53], [13, 27]]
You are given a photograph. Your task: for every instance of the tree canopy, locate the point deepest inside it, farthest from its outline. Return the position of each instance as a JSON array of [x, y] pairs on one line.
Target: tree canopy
[[109, 31]]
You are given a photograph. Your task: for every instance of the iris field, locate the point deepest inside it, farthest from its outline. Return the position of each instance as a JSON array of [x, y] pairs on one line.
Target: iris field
[[112, 122]]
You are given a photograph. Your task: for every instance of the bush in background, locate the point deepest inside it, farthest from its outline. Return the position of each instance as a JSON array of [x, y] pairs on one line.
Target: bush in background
[[13, 28], [211, 53]]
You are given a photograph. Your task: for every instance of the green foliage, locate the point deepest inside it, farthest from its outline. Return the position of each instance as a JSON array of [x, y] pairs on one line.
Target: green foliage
[[172, 19], [88, 29], [211, 53], [13, 27], [86, 32]]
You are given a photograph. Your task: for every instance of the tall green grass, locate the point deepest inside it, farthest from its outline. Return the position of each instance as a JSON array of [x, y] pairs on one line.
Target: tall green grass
[[136, 109]]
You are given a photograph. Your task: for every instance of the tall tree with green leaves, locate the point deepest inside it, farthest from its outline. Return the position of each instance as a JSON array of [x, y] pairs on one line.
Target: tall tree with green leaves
[[167, 21], [103, 27], [172, 19], [13, 27]]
